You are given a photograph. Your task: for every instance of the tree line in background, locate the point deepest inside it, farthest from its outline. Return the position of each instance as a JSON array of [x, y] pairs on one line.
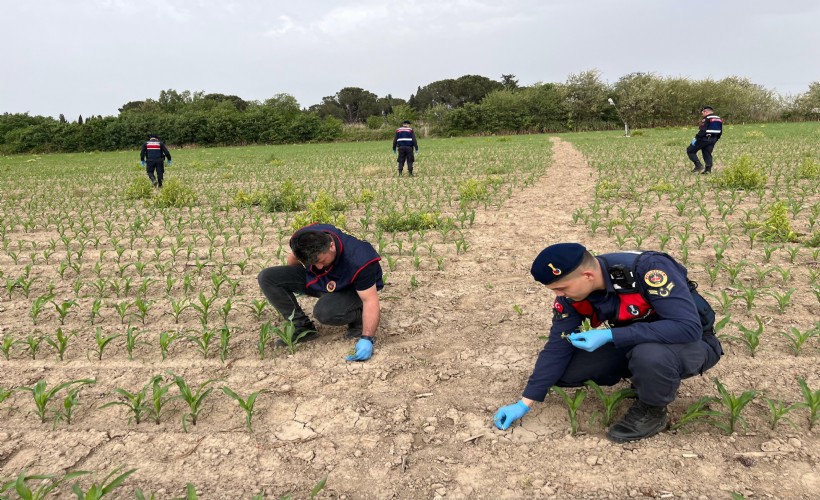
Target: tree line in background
[[471, 104]]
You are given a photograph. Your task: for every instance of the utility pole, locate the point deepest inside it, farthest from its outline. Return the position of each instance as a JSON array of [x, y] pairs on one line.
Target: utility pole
[[626, 127]]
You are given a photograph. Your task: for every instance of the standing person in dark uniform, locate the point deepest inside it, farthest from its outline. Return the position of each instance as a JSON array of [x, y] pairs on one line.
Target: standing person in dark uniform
[[659, 330], [405, 141], [342, 271], [709, 131], [155, 153]]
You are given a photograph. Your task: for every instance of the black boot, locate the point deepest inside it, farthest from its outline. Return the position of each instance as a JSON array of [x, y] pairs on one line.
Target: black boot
[[641, 421], [697, 169], [707, 170]]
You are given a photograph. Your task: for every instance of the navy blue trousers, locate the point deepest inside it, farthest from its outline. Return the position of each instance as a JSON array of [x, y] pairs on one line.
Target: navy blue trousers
[[159, 167], [655, 370], [705, 146], [280, 285], [406, 154]]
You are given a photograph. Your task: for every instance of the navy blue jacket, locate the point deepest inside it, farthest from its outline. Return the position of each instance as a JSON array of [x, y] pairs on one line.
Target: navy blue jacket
[[711, 127], [670, 318], [405, 137], [154, 150], [352, 256]]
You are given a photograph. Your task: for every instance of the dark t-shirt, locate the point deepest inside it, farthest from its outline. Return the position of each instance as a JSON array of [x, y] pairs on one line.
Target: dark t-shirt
[[367, 277]]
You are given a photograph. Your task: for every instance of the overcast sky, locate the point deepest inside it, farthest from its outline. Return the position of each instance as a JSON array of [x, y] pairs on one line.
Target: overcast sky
[[90, 57]]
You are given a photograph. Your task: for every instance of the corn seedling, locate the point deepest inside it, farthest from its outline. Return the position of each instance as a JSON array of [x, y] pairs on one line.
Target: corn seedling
[[734, 406], [62, 309], [287, 334], [95, 310], [33, 344], [204, 307], [194, 399], [750, 338], [6, 345], [225, 310], [257, 306], [60, 342], [42, 395], [783, 300], [137, 403], [573, 404], [811, 401], [265, 336], [159, 398], [203, 341], [778, 412], [178, 307], [797, 339], [37, 306], [46, 483], [720, 325], [97, 491], [165, 340], [143, 306], [70, 401], [245, 404], [102, 341], [224, 340], [611, 401], [122, 310], [699, 410]]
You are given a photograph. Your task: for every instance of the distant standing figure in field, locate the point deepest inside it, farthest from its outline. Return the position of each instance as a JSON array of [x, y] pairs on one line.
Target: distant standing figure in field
[[154, 152], [342, 271], [659, 330], [709, 131], [405, 141]]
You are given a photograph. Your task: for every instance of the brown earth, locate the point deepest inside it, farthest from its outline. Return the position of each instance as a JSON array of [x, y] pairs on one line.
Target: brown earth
[[415, 420]]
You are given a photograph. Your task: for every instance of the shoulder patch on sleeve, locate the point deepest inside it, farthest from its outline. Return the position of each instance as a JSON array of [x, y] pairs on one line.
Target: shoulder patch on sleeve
[[655, 278]]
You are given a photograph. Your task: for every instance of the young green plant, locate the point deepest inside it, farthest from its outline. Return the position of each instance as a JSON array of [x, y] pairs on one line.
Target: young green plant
[[246, 404]]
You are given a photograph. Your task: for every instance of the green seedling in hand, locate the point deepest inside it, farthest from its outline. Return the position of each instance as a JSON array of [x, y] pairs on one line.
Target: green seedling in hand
[[245, 404]]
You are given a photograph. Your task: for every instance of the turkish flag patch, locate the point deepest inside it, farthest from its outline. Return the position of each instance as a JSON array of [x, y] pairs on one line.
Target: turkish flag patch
[[558, 307]]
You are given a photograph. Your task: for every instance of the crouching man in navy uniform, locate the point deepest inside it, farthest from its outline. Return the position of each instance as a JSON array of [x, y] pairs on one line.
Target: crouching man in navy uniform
[[659, 330], [342, 271]]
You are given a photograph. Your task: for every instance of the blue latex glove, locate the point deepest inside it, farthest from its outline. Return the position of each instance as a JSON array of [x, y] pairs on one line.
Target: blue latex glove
[[694, 141], [364, 349], [169, 163], [591, 340], [142, 163], [394, 152], [506, 415]]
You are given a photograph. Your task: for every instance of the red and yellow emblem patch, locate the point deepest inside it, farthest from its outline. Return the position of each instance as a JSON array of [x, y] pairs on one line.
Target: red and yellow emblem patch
[[655, 278], [331, 286]]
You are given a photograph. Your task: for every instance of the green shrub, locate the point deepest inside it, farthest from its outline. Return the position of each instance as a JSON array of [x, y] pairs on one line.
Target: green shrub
[[473, 190], [364, 197], [139, 189], [412, 221], [244, 200], [323, 210], [743, 174], [607, 189], [288, 197], [777, 227], [175, 194], [375, 122], [809, 169]]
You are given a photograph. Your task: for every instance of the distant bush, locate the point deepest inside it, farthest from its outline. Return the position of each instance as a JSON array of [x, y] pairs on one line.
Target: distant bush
[[244, 200], [411, 221], [175, 194], [777, 227], [809, 169], [325, 209], [288, 197], [140, 188], [743, 174]]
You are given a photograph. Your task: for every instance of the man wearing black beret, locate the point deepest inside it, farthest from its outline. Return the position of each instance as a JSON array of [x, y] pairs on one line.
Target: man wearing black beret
[[709, 131], [649, 325]]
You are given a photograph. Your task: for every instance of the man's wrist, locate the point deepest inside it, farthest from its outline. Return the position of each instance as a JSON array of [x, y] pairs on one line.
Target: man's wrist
[[371, 338]]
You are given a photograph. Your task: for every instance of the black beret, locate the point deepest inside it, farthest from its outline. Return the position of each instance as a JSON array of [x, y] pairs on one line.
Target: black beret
[[707, 107], [153, 136], [406, 122], [557, 261]]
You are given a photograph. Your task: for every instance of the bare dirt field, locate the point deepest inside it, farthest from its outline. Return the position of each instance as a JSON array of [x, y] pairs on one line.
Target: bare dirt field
[[416, 420]]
